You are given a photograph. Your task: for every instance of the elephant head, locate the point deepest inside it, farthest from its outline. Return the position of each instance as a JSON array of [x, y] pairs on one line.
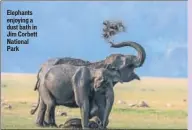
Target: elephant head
[[105, 77], [127, 63]]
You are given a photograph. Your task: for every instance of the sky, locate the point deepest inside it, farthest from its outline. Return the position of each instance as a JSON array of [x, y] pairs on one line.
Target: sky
[[73, 29]]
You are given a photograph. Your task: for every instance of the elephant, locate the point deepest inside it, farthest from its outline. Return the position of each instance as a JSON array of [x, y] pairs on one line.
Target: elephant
[[76, 87], [125, 63]]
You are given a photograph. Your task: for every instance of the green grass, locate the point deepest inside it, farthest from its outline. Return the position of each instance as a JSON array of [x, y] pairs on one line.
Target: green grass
[[157, 92]]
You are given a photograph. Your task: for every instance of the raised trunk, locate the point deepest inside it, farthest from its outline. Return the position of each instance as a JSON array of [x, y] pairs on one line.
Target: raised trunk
[[138, 62]]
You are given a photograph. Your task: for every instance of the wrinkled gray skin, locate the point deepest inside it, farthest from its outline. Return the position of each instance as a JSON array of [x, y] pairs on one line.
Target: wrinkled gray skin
[[124, 63], [74, 86]]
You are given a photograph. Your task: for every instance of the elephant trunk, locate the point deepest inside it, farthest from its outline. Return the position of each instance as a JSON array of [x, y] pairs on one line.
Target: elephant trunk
[[138, 62]]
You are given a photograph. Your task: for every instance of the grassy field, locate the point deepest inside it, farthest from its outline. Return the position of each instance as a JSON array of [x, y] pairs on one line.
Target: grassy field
[[164, 96]]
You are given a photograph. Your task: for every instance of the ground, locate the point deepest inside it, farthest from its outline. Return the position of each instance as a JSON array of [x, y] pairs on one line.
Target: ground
[[167, 98]]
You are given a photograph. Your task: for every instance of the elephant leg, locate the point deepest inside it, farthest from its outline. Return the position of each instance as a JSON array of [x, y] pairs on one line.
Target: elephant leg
[[53, 117], [41, 114], [50, 105], [49, 114], [109, 103], [103, 102], [93, 109]]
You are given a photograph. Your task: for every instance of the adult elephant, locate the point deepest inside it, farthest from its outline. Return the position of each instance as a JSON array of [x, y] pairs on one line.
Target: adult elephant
[[125, 63], [74, 86]]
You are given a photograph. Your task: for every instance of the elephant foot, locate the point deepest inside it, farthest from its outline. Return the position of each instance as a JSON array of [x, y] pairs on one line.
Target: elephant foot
[[45, 124], [54, 126], [39, 124], [51, 125]]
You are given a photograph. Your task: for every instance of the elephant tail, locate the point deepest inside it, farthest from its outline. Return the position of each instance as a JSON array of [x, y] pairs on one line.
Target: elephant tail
[[38, 78], [35, 109], [36, 85]]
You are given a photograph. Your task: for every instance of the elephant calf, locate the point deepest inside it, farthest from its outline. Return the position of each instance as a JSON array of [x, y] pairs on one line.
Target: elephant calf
[[76, 87]]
